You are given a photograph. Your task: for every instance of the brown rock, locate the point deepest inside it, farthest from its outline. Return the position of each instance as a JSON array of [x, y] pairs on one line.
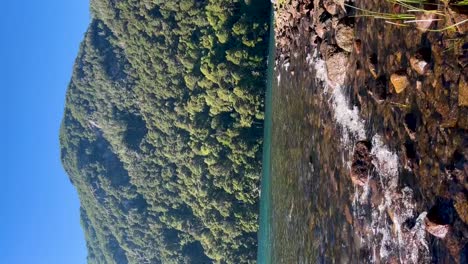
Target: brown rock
[[461, 206], [419, 65], [437, 230], [344, 37], [348, 215], [373, 71], [400, 81], [463, 60], [331, 7], [425, 21], [442, 107], [372, 64], [391, 214], [362, 163], [455, 246], [462, 92], [323, 48], [419, 86], [320, 29], [357, 46], [398, 56], [336, 63], [379, 90], [459, 14]]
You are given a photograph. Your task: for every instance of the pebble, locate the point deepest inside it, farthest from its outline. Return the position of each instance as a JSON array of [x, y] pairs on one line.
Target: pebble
[[399, 81], [425, 21], [420, 66]]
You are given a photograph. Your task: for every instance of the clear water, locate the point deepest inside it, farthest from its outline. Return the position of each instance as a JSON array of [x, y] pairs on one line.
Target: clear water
[[310, 211], [264, 236]]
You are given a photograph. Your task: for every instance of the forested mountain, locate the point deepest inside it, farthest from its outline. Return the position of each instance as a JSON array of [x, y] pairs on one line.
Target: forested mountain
[[162, 130]]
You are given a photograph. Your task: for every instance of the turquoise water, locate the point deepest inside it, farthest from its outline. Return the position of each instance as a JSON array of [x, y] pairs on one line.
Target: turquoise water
[[264, 236]]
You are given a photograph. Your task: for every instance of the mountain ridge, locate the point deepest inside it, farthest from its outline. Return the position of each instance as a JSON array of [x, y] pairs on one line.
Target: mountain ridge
[[162, 127]]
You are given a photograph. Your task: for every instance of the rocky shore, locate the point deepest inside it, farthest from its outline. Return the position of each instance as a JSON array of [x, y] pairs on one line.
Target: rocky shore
[[410, 85]]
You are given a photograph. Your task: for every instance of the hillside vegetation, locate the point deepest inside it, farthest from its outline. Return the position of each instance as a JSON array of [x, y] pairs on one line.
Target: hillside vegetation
[[162, 130]]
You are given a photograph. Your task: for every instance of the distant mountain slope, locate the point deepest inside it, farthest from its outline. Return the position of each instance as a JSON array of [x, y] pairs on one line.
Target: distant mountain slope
[[162, 130]]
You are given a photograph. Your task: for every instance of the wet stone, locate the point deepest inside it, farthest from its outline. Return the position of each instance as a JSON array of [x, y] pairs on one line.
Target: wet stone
[[331, 7], [463, 92], [379, 90], [437, 230], [372, 64], [362, 163], [440, 218], [410, 150], [461, 206], [411, 121], [357, 46], [336, 62], [419, 65], [344, 37], [425, 21], [400, 81]]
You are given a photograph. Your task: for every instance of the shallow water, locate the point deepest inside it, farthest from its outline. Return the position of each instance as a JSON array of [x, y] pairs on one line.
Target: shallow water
[[264, 234], [310, 189], [316, 214]]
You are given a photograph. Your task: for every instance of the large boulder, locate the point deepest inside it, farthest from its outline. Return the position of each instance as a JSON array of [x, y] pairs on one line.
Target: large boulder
[[344, 37], [336, 62]]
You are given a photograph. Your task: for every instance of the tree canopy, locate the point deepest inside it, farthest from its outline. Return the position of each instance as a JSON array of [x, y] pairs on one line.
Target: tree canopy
[[162, 130]]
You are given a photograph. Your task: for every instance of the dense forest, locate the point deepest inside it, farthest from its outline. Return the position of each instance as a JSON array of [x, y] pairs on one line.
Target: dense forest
[[162, 130]]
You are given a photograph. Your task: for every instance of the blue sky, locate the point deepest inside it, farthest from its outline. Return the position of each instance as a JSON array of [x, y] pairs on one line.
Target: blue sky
[[39, 215]]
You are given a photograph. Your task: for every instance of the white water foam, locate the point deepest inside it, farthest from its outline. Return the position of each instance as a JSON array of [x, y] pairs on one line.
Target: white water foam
[[389, 240]]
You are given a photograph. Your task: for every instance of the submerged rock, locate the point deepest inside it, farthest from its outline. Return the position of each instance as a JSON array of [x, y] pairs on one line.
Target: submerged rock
[[424, 21], [400, 81], [463, 92], [372, 64], [320, 30], [420, 61], [461, 206], [357, 46], [344, 37], [379, 90], [362, 163], [331, 7], [336, 63], [440, 218], [419, 65], [437, 230]]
